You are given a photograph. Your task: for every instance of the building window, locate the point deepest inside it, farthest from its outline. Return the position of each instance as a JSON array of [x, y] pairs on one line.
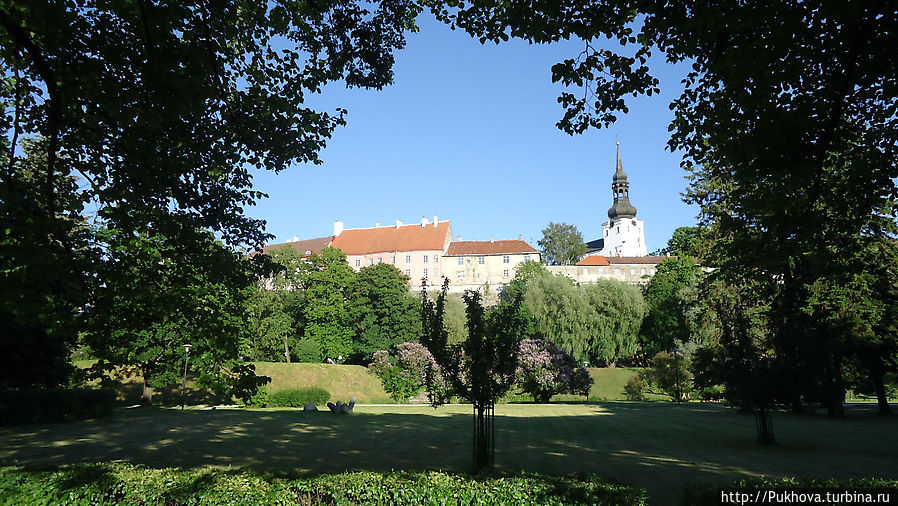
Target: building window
[[633, 271], [478, 275], [601, 270], [617, 270], [461, 260], [506, 259], [505, 273], [526, 258], [408, 259], [425, 259], [358, 262], [393, 259], [481, 260], [370, 261], [643, 271], [436, 259], [461, 274], [408, 272], [585, 271], [380, 260], [425, 273]]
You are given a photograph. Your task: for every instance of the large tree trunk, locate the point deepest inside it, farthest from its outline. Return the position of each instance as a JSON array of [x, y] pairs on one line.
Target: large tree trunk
[[881, 397], [287, 349], [146, 398]]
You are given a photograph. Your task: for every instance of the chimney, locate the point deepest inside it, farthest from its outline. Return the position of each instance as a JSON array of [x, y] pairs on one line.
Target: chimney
[[492, 239], [338, 227], [436, 220], [376, 224], [459, 239], [398, 223], [520, 237], [424, 221], [295, 238]]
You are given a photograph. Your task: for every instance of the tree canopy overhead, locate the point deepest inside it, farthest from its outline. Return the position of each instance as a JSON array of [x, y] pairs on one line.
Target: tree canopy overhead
[[166, 105]]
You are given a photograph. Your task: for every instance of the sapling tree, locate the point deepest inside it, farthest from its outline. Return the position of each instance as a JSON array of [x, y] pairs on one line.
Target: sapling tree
[[480, 369]]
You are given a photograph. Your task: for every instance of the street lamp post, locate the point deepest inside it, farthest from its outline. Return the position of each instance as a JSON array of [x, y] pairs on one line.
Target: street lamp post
[[184, 385], [676, 352]]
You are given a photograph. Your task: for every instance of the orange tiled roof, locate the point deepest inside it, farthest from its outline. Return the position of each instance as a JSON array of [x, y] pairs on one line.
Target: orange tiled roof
[[305, 248], [490, 247], [363, 241], [594, 260], [638, 260]]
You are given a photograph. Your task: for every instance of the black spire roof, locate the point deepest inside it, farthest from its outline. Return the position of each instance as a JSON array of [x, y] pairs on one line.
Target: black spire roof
[[620, 187]]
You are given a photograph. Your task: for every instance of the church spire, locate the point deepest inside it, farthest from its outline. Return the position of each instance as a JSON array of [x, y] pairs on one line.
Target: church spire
[[620, 187]]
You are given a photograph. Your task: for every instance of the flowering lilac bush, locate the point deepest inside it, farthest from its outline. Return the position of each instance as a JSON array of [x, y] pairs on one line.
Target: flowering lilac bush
[[545, 370], [406, 373]]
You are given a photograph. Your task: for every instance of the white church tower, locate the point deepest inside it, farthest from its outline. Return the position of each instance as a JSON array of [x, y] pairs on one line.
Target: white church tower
[[623, 234]]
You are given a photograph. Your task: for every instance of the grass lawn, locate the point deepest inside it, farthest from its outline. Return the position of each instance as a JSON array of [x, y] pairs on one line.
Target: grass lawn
[[657, 446]]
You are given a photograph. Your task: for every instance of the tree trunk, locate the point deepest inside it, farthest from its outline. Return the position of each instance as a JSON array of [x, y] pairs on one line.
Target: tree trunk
[[287, 349], [483, 438], [146, 398], [764, 421], [881, 397]]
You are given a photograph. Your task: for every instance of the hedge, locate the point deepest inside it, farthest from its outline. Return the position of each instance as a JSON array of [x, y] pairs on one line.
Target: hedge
[[706, 494], [298, 397], [54, 405], [125, 484]]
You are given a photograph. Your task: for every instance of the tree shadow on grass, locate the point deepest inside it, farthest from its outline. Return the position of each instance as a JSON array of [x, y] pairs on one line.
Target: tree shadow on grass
[[660, 447]]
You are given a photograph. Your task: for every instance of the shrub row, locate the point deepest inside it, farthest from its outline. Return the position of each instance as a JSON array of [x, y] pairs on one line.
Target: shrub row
[[289, 398], [705, 494], [54, 405], [125, 484]]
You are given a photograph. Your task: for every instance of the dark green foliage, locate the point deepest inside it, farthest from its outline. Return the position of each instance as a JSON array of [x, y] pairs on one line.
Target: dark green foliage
[[54, 405], [635, 388], [712, 393], [667, 297], [670, 374], [688, 241], [384, 311], [298, 397], [708, 495], [43, 280], [327, 306], [119, 483], [308, 351], [186, 98], [260, 399], [244, 382], [161, 292], [561, 244]]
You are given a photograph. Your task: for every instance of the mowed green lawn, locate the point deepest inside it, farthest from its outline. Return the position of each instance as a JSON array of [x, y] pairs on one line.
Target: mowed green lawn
[[660, 447]]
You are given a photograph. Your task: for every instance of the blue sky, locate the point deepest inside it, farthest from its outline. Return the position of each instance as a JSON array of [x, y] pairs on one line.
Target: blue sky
[[467, 132]]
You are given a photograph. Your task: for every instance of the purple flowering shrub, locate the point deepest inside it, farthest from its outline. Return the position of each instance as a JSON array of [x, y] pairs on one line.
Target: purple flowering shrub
[[544, 370], [406, 373]]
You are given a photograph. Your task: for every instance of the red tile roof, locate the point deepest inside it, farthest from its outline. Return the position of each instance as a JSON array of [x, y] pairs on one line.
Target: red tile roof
[[490, 247], [638, 260], [363, 241], [305, 248], [594, 260]]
